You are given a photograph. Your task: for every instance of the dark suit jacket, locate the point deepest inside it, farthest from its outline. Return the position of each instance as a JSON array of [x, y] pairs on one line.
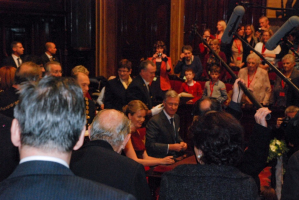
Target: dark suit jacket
[[51, 180], [97, 161], [291, 181], [211, 182], [45, 58], [115, 94], [9, 157], [137, 90], [160, 133], [9, 61]]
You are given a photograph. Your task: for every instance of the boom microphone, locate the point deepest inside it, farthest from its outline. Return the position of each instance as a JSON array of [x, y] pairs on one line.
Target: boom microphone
[[287, 27], [232, 24]]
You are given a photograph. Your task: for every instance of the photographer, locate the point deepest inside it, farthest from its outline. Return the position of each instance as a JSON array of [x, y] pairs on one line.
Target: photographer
[[287, 128]]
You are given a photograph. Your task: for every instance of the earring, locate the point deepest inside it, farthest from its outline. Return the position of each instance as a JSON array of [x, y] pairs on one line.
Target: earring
[[199, 156]]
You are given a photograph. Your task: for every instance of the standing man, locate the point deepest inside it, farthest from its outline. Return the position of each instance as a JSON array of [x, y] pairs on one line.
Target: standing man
[[96, 160], [264, 24], [162, 130], [46, 140], [15, 58], [140, 88], [49, 55]]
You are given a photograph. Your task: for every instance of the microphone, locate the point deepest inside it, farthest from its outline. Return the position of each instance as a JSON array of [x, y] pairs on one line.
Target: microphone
[[287, 27], [232, 24]]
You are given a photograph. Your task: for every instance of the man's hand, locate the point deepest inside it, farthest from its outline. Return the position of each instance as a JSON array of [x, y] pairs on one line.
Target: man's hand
[[175, 147], [260, 116], [184, 146], [182, 56]]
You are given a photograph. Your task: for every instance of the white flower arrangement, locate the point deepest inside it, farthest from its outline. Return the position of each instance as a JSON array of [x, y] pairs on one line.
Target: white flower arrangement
[[276, 149]]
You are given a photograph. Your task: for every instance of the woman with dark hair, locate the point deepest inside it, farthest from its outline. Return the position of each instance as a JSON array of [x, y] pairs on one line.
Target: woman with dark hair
[[218, 146], [237, 50], [161, 83]]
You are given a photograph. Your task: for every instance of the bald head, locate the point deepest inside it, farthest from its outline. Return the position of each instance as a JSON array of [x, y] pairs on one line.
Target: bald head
[[50, 48], [111, 126]]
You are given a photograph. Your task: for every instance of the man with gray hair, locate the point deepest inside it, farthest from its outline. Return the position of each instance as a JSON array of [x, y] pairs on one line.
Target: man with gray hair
[[53, 68], [162, 130], [45, 136], [100, 160]]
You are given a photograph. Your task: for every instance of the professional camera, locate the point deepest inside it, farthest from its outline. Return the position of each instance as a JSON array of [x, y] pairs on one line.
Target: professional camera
[[285, 122], [159, 54]]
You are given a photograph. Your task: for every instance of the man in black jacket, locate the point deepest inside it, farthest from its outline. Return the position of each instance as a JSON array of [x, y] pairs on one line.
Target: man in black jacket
[[99, 160]]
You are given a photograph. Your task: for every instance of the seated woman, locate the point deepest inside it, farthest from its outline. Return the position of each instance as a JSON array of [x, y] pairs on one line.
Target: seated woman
[[161, 84], [210, 60], [135, 149], [256, 79], [218, 140], [269, 55], [187, 60], [280, 90]]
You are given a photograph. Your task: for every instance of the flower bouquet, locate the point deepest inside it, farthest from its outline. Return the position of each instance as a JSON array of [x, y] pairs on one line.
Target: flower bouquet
[[276, 149]]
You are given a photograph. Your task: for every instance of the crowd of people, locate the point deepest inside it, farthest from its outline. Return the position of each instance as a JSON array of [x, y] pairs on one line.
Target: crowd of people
[[63, 144]]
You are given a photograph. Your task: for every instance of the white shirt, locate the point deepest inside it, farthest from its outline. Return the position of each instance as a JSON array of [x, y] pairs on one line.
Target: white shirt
[[49, 56], [16, 59], [44, 158]]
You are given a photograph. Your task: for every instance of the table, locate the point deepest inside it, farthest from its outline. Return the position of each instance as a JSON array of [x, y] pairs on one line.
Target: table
[[154, 174]]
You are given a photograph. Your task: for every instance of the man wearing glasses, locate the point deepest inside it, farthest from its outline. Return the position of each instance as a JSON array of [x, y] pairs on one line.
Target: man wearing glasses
[[53, 68], [115, 92]]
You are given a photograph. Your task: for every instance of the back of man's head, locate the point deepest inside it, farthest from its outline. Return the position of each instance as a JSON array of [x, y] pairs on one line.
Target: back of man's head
[[50, 114], [28, 71], [111, 126]]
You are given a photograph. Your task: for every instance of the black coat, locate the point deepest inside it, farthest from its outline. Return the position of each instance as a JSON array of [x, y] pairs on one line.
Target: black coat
[[211, 182], [115, 95], [137, 90], [50, 180], [97, 161], [45, 58]]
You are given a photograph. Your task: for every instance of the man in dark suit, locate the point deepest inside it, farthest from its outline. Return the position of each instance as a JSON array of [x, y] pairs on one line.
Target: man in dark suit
[[9, 157], [115, 90], [100, 161], [15, 58], [49, 55], [48, 125], [140, 88], [162, 130]]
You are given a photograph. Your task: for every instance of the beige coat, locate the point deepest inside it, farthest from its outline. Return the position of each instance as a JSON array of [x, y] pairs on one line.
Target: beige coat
[[259, 86]]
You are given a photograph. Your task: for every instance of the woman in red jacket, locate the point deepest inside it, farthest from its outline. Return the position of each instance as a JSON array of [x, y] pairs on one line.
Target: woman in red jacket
[[161, 83]]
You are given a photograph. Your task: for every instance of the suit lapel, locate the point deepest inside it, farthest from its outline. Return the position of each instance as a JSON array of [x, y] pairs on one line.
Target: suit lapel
[[146, 93]]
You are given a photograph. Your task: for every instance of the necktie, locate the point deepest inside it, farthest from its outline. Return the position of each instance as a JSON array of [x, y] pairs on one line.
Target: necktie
[[172, 124], [18, 59]]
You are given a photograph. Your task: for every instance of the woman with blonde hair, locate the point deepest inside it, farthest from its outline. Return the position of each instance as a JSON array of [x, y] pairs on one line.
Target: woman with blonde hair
[[210, 60], [221, 26], [135, 149]]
